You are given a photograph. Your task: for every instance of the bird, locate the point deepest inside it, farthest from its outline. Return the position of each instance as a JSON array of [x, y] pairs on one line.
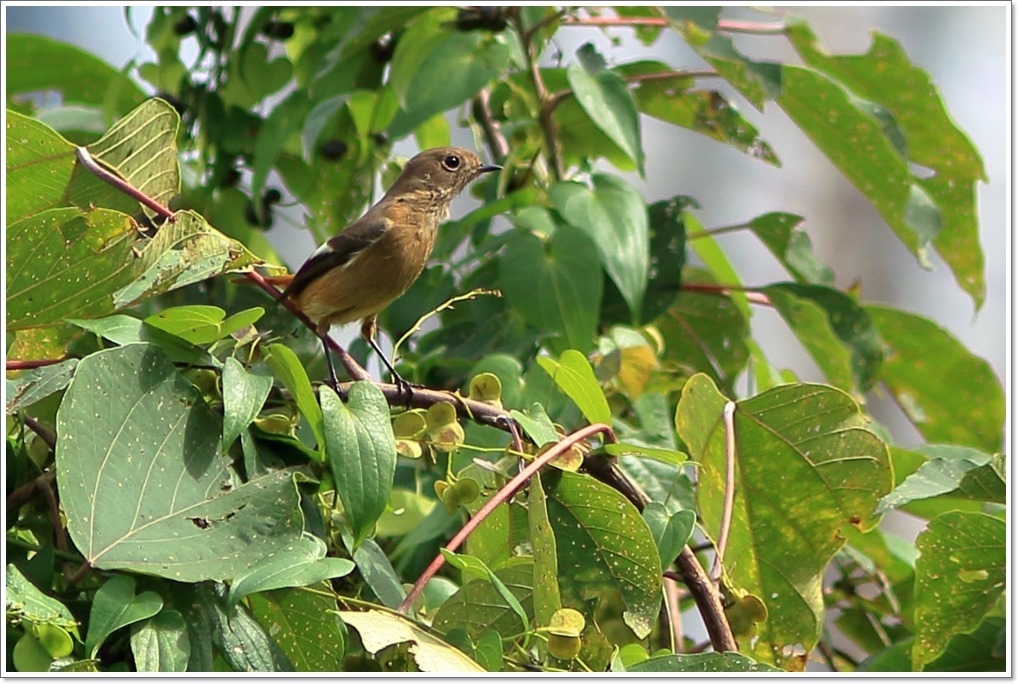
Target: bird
[[362, 269]]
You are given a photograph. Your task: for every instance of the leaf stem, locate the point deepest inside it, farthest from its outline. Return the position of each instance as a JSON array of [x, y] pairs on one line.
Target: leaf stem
[[86, 160], [729, 500], [752, 294], [501, 496], [545, 102], [481, 107], [33, 363]]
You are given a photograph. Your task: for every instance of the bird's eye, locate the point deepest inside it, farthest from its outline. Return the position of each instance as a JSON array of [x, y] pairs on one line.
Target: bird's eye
[[451, 162]]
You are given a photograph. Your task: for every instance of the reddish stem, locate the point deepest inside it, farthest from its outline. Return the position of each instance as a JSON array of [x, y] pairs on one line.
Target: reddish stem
[[32, 363], [503, 495]]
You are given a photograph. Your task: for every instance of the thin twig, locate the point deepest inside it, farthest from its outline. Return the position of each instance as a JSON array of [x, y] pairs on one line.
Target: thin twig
[[501, 496], [722, 25], [752, 295], [497, 143], [729, 501], [80, 574], [825, 651], [544, 102]]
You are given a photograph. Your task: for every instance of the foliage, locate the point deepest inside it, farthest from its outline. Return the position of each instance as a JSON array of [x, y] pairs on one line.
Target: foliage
[[185, 494]]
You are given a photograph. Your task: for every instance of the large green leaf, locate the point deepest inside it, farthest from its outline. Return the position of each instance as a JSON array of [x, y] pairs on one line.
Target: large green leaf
[[603, 544], [949, 394], [304, 625], [362, 453], [244, 395], [981, 651], [144, 484], [241, 640], [556, 284], [606, 99], [887, 77], [806, 468], [69, 262], [615, 217], [24, 600], [434, 69], [960, 574], [853, 136]]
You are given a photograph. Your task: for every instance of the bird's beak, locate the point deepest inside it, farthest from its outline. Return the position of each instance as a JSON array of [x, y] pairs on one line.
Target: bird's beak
[[489, 168]]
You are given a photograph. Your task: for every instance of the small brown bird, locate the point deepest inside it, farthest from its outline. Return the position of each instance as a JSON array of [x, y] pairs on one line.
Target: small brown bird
[[375, 259]]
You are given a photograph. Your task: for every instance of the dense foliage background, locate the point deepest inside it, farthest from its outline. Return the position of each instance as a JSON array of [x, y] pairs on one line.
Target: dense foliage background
[[183, 493]]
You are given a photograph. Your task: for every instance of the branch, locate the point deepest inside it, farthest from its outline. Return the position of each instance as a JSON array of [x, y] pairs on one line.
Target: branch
[[691, 573], [26, 492], [33, 363], [632, 22], [502, 495]]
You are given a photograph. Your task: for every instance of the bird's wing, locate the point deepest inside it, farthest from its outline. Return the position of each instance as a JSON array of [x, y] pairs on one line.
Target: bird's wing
[[337, 251]]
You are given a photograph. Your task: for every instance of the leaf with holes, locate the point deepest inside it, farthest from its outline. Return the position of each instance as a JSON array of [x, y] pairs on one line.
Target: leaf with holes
[[144, 484], [807, 467]]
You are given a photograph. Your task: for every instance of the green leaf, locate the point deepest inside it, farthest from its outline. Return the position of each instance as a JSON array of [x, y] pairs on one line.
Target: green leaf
[[614, 215], [37, 63], [161, 644], [196, 323], [835, 330], [603, 544], [670, 532], [663, 455], [884, 75], [144, 484], [555, 285], [24, 600], [478, 607], [807, 468], [123, 330], [707, 112], [243, 642], [114, 606], [374, 567], [702, 662], [304, 625], [300, 564], [38, 383], [362, 453], [949, 394], [66, 263], [606, 99], [574, 376], [857, 144], [244, 394], [287, 367], [379, 630], [781, 235], [536, 423], [952, 469], [960, 575], [756, 81], [434, 70]]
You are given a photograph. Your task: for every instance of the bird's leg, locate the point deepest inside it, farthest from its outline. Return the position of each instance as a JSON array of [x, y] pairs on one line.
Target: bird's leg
[[323, 335], [368, 330]]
